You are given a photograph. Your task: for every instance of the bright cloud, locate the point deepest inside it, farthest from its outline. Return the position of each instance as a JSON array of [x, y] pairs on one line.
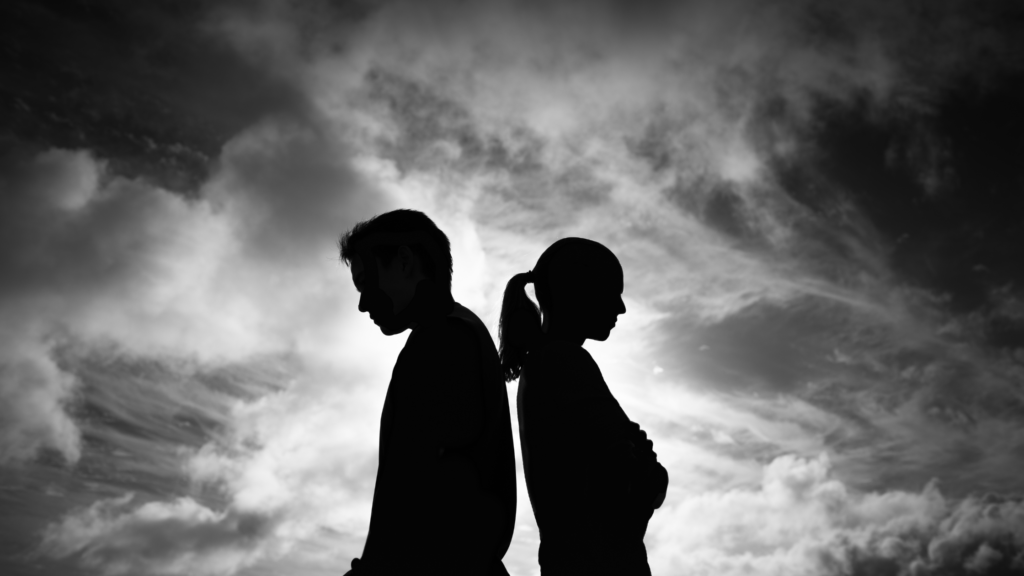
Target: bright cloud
[[180, 537], [514, 124], [801, 520]]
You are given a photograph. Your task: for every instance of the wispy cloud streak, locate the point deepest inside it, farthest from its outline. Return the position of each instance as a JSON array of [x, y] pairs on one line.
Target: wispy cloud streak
[[767, 323]]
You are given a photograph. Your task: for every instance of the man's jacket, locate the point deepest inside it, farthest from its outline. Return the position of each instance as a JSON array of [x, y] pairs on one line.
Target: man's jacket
[[445, 495]]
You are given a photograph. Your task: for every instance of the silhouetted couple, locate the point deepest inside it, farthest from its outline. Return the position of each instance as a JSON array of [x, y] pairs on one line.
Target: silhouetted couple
[[445, 497]]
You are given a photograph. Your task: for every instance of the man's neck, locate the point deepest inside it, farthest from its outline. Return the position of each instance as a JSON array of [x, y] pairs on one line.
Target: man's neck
[[430, 303]]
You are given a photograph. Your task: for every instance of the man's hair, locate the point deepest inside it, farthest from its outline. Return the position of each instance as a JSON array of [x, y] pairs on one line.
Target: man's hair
[[402, 221]]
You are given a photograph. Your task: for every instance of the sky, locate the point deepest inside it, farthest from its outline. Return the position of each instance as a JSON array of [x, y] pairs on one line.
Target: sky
[[817, 207]]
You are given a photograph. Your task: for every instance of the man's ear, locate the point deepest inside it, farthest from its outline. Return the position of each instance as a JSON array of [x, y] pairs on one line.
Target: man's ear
[[408, 261]]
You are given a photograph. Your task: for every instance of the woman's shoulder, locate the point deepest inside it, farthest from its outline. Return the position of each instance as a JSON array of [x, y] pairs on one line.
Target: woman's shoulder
[[556, 357]]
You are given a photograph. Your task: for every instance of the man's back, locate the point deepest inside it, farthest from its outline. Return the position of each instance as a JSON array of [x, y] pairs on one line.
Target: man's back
[[444, 501]]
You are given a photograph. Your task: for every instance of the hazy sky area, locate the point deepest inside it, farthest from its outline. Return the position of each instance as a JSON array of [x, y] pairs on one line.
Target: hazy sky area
[[818, 206]]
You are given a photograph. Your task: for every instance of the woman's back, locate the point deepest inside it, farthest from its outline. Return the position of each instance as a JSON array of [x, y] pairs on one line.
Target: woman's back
[[589, 470]]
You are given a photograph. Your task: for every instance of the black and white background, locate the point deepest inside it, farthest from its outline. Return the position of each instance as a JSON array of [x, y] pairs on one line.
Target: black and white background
[[818, 206]]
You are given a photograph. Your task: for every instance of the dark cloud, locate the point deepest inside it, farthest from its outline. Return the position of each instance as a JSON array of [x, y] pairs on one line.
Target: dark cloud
[[158, 187], [430, 133], [815, 199], [914, 405], [158, 538], [978, 535], [961, 240], [801, 520], [766, 349], [432, 130], [292, 189], [92, 256], [57, 269], [424, 122], [153, 89]]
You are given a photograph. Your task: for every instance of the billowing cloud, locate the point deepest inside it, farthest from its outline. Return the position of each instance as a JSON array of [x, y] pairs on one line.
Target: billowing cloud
[[801, 520], [767, 320], [180, 537], [160, 115], [92, 258], [101, 266]]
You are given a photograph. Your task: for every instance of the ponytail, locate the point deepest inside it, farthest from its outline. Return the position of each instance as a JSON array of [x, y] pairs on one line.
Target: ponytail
[[519, 327]]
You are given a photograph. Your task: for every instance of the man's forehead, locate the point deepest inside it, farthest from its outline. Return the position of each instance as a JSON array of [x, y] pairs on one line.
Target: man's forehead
[[358, 272]]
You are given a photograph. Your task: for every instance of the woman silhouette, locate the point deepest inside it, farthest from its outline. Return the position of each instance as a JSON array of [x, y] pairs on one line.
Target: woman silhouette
[[592, 475]]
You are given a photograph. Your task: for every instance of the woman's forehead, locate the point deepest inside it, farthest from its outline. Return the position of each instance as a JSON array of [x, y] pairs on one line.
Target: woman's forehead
[[604, 272]]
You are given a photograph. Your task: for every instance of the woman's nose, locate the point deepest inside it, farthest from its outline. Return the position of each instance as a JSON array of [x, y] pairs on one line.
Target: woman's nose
[[362, 303]]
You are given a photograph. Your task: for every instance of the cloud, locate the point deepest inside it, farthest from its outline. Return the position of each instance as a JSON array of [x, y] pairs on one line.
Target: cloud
[[179, 537], [90, 258], [660, 132], [161, 116], [94, 258], [801, 520], [654, 134], [34, 393], [104, 270], [292, 469]]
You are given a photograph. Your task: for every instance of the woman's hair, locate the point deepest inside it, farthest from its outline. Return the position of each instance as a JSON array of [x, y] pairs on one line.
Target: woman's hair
[[519, 327]]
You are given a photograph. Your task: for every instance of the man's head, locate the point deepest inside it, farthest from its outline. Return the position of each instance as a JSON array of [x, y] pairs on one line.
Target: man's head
[[389, 255]]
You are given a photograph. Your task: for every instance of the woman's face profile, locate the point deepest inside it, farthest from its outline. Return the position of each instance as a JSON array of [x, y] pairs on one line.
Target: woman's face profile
[[588, 296], [605, 303]]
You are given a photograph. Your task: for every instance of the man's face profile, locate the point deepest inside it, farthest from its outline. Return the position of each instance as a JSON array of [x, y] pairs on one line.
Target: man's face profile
[[373, 283]]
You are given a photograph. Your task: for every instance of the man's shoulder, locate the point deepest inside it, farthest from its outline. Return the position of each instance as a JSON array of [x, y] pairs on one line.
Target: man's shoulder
[[446, 332], [464, 316], [468, 320], [452, 334]]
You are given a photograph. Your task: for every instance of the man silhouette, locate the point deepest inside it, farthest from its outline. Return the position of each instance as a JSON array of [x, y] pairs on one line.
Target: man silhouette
[[445, 497]]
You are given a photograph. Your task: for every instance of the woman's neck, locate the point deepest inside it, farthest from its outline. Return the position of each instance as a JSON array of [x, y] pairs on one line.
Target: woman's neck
[[555, 332]]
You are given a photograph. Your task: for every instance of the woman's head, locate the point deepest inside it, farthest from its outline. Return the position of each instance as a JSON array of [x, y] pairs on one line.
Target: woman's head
[[579, 286]]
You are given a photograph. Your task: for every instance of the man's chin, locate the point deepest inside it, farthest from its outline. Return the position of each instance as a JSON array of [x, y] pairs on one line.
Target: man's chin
[[390, 330]]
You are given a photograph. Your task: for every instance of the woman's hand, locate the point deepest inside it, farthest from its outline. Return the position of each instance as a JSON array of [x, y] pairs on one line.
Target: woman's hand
[[660, 486], [659, 499], [355, 571]]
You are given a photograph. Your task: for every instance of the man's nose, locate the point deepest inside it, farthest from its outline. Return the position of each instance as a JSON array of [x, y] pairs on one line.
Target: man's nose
[[622, 306], [362, 303]]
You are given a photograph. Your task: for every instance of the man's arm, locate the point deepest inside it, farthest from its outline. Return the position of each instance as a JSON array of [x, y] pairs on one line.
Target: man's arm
[[466, 524], [441, 407], [457, 402]]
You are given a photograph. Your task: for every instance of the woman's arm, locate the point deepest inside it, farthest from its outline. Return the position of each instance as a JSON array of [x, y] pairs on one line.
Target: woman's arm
[[617, 458], [649, 477]]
